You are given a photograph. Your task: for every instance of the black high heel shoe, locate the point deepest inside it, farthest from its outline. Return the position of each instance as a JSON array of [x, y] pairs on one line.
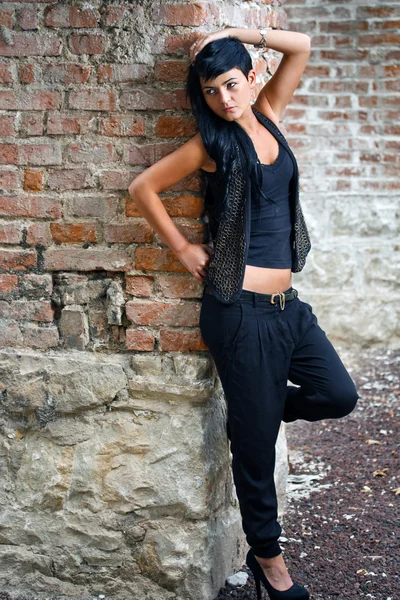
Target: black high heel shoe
[[295, 592]]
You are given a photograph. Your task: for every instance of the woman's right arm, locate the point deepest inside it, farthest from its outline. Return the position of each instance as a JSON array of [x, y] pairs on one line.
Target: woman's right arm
[[160, 176]]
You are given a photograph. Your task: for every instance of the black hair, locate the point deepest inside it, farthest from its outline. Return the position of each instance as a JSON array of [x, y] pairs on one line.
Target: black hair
[[218, 135]]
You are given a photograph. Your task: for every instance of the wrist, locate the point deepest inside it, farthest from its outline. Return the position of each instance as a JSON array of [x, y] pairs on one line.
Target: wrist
[[263, 37], [182, 248]]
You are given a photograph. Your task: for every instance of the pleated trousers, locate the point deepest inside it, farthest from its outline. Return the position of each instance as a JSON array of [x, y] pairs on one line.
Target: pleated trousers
[[257, 347]]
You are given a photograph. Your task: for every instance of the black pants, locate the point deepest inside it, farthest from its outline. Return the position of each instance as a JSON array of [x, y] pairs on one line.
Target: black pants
[[257, 347]]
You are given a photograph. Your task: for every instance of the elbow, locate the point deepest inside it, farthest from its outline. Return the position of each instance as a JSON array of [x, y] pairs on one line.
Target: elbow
[[307, 42], [134, 189]]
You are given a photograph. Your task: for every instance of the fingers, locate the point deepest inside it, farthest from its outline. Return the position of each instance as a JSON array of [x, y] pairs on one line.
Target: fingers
[[196, 47]]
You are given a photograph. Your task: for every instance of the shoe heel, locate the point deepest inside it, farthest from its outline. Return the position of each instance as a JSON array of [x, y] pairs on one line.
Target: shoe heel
[[258, 587]]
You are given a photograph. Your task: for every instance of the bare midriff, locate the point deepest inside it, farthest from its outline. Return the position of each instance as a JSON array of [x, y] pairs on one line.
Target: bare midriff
[[265, 280]]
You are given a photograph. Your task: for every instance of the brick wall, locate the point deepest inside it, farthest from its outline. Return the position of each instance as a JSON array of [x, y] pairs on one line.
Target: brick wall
[[343, 125], [91, 96]]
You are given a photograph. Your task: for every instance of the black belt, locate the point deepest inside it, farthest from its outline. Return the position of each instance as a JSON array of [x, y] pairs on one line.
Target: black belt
[[282, 296]]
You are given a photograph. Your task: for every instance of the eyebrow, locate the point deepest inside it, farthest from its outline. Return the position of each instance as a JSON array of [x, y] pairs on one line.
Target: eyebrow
[[211, 86]]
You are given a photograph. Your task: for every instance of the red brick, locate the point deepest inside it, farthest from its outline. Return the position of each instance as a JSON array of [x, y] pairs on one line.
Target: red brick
[[91, 152], [368, 12], [29, 100], [171, 70], [87, 43], [121, 125], [184, 206], [115, 73], [154, 259], [33, 180], [39, 154], [395, 25], [180, 14], [179, 286], [17, 260], [67, 179], [66, 73], [128, 233], [153, 99], [139, 339], [82, 207], [35, 154], [139, 285], [73, 232], [38, 234], [179, 44], [62, 15], [31, 124], [8, 283], [7, 17], [93, 99], [113, 16], [21, 310], [352, 54], [61, 124], [8, 180], [8, 154], [355, 87], [179, 206], [379, 39], [5, 73], [169, 126], [149, 312], [27, 73], [390, 70], [40, 337], [147, 154], [10, 233], [30, 206], [178, 340], [28, 44], [348, 26], [28, 18], [387, 100], [7, 125], [86, 259], [392, 86], [391, 129], [115, 180]]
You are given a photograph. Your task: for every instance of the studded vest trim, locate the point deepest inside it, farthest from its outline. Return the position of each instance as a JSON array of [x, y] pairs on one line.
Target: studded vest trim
[[229, 224]]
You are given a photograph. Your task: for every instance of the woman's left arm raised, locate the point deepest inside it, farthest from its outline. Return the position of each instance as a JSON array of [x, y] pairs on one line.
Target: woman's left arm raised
[[279, 89], [295, 47]]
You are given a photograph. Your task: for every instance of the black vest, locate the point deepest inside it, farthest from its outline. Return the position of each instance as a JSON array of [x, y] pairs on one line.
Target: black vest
[[229, 223]]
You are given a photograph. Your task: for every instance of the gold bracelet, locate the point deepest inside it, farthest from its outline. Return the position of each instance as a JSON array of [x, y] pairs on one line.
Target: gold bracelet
[[263, 41]]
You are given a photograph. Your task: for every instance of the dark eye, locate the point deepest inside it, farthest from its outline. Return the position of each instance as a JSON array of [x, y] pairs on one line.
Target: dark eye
[[230, 83]]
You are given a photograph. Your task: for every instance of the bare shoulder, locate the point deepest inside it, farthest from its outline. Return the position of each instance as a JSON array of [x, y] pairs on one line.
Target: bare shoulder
[[208, 164]]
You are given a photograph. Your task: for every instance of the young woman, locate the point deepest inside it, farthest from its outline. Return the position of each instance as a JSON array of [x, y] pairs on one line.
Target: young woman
[[258, 331]]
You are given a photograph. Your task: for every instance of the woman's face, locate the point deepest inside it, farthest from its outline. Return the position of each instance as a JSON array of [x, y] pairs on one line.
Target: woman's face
[[230, 89]]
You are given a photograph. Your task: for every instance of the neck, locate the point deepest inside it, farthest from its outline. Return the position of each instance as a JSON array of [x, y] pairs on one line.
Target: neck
[[249, 122]]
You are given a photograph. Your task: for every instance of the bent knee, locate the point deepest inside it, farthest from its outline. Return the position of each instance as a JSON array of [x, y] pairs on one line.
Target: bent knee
[[345, 402]]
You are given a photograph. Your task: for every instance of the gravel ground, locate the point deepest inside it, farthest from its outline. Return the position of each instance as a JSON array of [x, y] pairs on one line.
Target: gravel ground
[[340, 534]]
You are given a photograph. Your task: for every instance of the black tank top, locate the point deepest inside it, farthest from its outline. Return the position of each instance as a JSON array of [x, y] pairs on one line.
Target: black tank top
[[271, 226]]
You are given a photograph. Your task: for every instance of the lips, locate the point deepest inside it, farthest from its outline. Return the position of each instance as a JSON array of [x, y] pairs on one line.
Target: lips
[[229, 108]]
